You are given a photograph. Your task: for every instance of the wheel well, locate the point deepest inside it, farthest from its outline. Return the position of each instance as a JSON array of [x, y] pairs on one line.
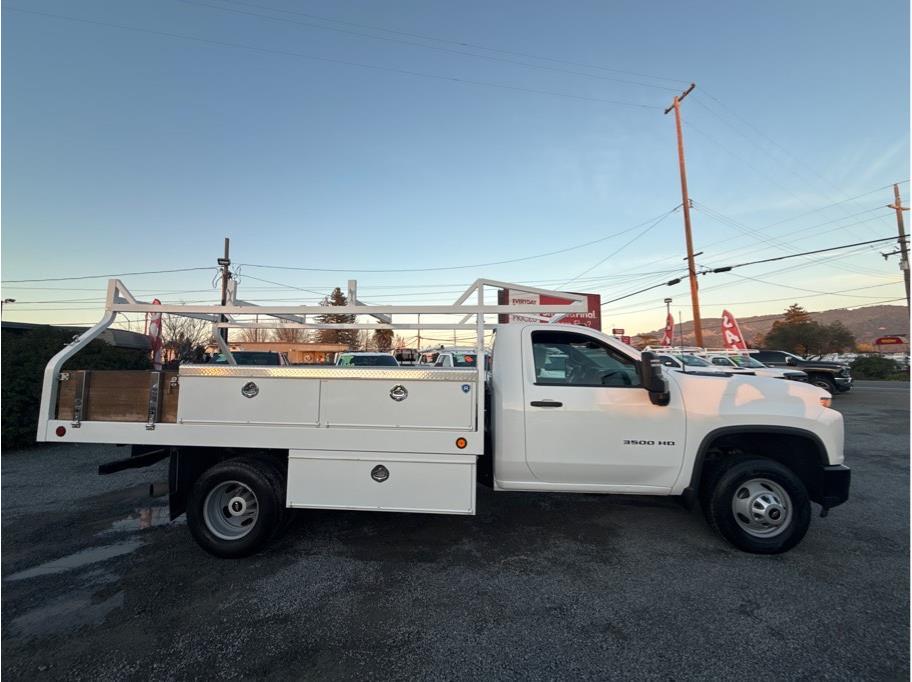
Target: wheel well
[[188, 464], [799, 451]]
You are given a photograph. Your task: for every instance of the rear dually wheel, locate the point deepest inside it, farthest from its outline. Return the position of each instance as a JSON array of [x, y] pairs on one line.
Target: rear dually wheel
[[236, 507]]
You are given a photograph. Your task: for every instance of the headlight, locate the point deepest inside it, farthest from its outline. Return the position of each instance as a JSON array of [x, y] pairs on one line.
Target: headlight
[[826, 401]]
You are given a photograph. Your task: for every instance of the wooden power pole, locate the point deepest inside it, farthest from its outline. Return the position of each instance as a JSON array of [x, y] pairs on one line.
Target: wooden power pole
[[226, 275], [685, 201], [903, 248]]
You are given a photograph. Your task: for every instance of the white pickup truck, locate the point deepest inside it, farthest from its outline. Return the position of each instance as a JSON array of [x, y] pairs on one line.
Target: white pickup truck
[[564, 409]]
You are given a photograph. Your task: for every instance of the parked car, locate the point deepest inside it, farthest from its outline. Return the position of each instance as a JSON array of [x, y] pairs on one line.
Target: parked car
[[834, 377], [406, 356], [361, 359], [731, 361], [253, 357], [460, 358], [683, 362]]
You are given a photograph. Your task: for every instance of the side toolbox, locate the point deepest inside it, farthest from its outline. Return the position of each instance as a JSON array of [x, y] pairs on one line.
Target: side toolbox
[[375, 481]]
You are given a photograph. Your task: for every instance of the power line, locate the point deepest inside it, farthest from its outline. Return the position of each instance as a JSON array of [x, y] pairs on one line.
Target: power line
[[460, 43], [806, 253], [622, 247], [456, 267], [299, 55], [412, 43], [108, 276]]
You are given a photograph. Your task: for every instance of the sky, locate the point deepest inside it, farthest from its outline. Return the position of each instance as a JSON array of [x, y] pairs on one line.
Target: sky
[[428, 139]]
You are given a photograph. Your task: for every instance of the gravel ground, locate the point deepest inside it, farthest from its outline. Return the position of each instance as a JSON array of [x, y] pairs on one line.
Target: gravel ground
[[98, 584]]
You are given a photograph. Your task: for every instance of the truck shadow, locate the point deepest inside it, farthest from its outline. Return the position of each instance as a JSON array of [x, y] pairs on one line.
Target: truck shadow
[[510, 529]]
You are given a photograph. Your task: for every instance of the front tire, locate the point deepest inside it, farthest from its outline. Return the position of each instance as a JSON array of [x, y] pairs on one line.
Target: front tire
[[824, 382], [236, 507], [759, 506]]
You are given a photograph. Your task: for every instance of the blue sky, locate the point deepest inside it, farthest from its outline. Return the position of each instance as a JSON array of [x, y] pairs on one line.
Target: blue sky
[[139, 136]]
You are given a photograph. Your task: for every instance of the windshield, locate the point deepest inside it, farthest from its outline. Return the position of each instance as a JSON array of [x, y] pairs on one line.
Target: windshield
[[746, 361], [368, 361], [249, 358], [693, 361]]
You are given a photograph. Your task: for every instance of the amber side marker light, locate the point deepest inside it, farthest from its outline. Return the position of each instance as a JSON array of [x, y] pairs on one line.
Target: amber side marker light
[[60, 431], [461, 443], [826, 402]]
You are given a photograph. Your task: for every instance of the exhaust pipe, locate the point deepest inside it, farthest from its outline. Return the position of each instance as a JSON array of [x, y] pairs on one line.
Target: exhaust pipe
[[159, 489]]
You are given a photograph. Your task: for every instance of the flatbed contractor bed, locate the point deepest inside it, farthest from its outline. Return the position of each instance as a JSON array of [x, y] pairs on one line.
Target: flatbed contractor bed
[[568, 409]]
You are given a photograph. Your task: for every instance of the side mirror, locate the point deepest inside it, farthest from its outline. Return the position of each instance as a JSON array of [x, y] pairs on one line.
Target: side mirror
[[653, 379]]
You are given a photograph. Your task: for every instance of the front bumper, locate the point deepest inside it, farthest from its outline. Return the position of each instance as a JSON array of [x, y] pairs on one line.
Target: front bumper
[[843, 383], [834, 485]]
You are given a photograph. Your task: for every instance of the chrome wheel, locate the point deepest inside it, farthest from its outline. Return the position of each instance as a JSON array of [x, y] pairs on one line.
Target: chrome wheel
[[230, 510], [762, 507]]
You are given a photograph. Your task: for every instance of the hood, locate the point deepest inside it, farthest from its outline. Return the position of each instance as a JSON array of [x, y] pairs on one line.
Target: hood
[[749, 396], [823, 363]]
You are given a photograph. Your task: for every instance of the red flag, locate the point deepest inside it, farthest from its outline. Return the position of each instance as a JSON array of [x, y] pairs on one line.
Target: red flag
[[669, 330], [731, 332], [155, 336]]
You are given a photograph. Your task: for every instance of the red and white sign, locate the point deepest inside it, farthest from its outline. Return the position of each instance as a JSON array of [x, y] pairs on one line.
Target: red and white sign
[[731, 332], [889, 341], [591, 318], [625, 339], [669, 330], [155, 336]]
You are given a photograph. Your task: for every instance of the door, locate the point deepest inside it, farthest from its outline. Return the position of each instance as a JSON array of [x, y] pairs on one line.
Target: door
[[588, 419]]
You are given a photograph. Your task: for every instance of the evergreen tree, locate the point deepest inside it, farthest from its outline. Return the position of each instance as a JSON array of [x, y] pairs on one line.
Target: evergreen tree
[[349, 337]]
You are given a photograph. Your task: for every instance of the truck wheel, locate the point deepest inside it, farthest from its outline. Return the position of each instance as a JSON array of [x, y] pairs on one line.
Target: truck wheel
[[235, 507], [824, 382], [759, 506]]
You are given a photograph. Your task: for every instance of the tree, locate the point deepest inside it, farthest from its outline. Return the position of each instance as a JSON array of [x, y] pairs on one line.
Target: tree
[[802, 338], [797, 333], [837, 338], [795, 314], [384, 340], [349, 337], [291, 335], [185, 338], [399, 342]]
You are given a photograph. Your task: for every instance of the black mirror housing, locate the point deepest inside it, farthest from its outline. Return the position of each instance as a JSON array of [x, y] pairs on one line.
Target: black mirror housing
[[653, 379]]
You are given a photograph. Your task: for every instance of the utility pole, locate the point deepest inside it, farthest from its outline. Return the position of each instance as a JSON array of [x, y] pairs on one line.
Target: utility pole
[[685, 202], [226, 275], [903, 249], [419, 332]]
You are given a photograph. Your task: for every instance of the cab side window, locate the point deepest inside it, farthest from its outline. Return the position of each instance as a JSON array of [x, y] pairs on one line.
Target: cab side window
[[569, 359]]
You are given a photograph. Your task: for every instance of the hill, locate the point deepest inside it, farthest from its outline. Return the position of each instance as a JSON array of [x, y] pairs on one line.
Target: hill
[[865, 323]]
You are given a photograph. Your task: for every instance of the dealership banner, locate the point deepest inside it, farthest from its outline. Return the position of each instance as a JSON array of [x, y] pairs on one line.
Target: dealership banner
[[591, 318], [731, 332], [669, 330], [155, 336]]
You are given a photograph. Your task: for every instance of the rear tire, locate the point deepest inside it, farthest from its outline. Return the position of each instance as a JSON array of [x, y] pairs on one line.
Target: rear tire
[[236, 507], [759, 506]]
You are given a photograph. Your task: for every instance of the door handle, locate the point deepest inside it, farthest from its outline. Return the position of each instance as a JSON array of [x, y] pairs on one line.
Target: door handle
[[546, 403]]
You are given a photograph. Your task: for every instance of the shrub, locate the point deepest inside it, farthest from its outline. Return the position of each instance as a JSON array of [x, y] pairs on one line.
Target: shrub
[[24, 357], [875, 367]]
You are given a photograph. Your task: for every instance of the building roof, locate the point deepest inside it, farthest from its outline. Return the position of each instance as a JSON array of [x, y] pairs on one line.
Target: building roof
[[119, 338]]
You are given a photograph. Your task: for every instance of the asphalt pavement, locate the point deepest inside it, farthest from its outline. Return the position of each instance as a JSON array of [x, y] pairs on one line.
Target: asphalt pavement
[[98, 584]]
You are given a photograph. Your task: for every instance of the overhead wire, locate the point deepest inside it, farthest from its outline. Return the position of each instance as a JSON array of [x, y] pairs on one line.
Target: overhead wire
[[293, 22], [461, 43], [342, 62]]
